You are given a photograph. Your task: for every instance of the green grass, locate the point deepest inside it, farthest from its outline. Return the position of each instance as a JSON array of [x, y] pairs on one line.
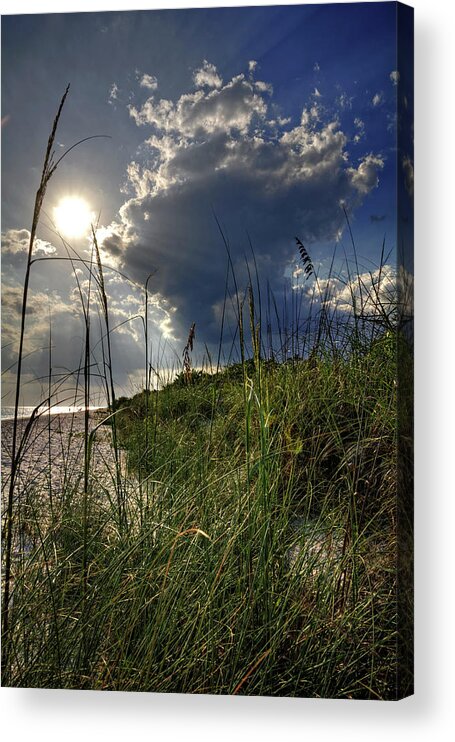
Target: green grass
[[259, 552]]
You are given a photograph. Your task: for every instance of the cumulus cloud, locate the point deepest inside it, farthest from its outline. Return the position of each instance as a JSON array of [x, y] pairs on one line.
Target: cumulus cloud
[[207, 76], [36, 303], [263, 87], [110, 241], [148, 81], [386, 292], [229, 108], [223, 149], [54, 301], [395, 77], [18, 240], [365, 176], [377, 99], [41, 307], [374, 293]]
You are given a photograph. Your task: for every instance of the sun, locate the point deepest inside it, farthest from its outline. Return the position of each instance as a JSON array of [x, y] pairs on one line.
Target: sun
[[73, 216]]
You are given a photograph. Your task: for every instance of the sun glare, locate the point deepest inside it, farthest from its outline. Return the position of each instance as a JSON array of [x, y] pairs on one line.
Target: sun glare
[[73, 217]]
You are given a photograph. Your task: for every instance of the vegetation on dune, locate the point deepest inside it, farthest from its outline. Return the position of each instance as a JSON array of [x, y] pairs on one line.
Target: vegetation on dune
[[248, 546]]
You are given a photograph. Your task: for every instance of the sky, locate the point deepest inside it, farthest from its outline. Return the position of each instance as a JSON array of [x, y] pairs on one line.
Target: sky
[[265, 123]]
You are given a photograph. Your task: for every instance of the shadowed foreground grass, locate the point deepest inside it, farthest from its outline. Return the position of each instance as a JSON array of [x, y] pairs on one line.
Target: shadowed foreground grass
[[258, 554]]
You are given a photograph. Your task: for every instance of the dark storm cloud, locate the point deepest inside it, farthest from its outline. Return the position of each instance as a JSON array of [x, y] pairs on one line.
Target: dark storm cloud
[[113, 244], [217, 153]]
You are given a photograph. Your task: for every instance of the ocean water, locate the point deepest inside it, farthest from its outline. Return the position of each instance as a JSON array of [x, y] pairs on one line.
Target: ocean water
[[25, 412], [54, 451]]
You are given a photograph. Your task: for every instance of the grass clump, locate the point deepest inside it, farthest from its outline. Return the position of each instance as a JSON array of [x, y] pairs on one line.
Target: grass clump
[[263, 561]]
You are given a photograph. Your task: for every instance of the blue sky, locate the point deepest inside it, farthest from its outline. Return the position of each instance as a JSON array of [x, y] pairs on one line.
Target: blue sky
[[272, 118]]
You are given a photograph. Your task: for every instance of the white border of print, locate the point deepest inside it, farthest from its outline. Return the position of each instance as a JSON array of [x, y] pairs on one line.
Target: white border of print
[[51, 715]]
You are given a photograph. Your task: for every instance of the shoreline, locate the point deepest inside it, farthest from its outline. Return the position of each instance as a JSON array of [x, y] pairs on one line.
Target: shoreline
[[93, 413], [53, 449]]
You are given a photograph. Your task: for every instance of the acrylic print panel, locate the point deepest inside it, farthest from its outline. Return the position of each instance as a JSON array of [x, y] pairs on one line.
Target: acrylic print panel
[[207, 234]]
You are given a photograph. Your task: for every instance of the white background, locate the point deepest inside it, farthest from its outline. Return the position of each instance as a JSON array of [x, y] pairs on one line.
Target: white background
[[74, 715]]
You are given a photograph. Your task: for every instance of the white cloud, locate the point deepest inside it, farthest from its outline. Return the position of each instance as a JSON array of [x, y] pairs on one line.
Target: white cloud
[[231, 107], [344, 101], [113, 92], [252, 64], [17, 241], [263, 87], [365, 177], [317, 94], [207, 76], [360, 126], [377, 99], [316, 67], [373, 293], [148, 81], [41, 306], [395, 77], [36, 302]]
